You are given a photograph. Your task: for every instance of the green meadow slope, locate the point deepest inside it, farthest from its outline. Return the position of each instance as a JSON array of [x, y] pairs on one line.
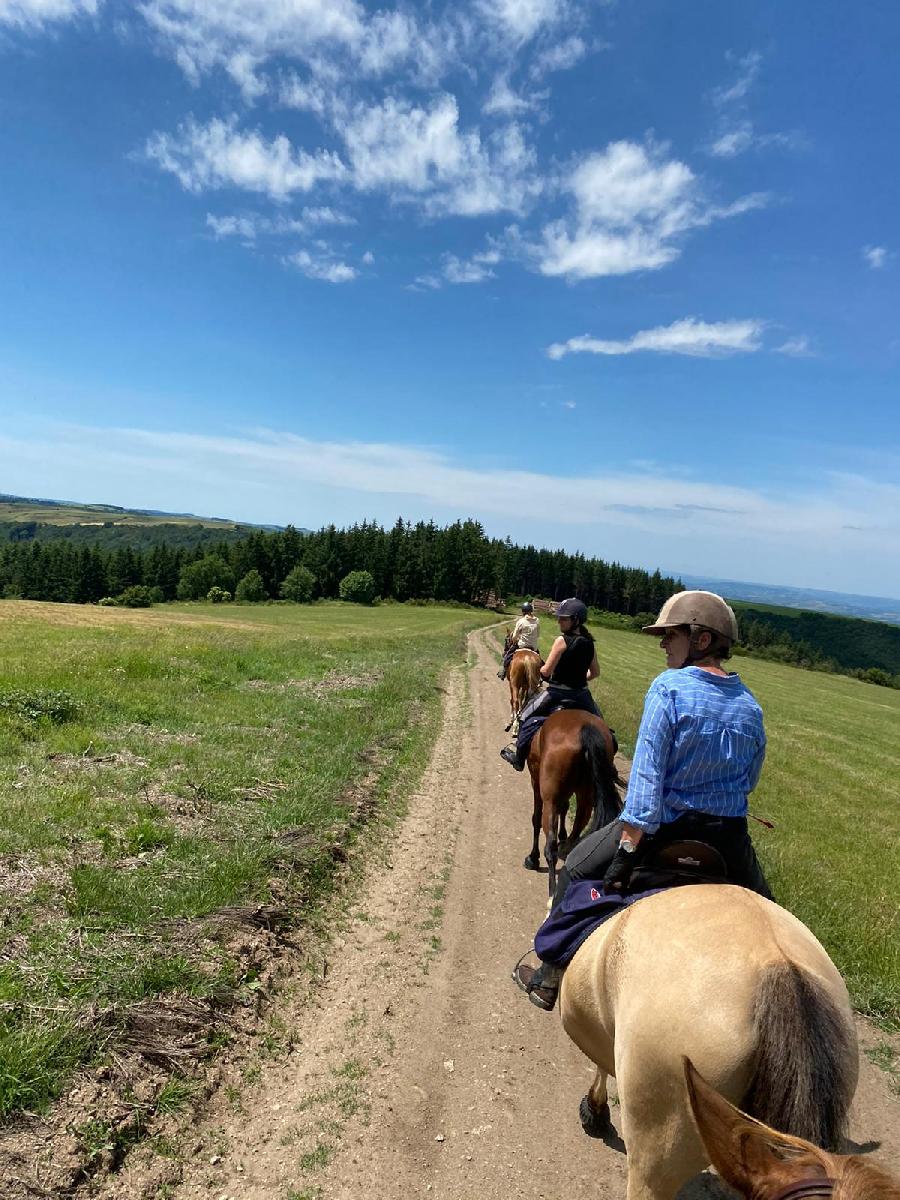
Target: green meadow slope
[[160, 766]]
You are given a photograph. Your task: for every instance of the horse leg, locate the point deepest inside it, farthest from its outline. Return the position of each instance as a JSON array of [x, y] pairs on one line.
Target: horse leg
[[562, 810], [584, 801], [594, 1108], [533, 861], [551, 842], [661, 1140], [512, 702]]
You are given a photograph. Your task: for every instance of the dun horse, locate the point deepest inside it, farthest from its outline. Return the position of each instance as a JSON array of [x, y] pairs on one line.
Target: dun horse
[[763, 1164], [717, 974], [572, 752], [524, 678]]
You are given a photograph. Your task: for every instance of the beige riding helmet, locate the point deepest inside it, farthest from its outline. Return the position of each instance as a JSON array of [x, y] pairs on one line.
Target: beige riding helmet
[[696, 608]]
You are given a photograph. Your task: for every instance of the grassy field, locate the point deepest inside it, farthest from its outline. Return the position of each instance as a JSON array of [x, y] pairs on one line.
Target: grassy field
[[831, 784], [159, 766]]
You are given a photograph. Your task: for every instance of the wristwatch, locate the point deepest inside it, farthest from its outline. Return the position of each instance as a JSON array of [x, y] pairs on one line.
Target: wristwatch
[[628, 845]]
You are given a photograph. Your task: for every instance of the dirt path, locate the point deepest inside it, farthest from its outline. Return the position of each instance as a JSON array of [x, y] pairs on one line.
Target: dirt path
[[418, 1068]]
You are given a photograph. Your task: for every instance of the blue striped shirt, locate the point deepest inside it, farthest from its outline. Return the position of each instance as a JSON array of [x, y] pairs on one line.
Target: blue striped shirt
[[700, 748]]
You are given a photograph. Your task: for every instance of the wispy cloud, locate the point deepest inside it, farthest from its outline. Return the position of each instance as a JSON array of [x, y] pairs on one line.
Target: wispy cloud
[[875, 256], [561, 56], [218, 155], [796, 347], [746, 75], [735, 132], [322, 267], [278, 464], [631, 204], [35, 14], [459, 270], [698, 339]]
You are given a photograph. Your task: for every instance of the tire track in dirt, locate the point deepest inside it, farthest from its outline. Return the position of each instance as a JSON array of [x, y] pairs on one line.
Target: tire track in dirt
[[417, 1067]]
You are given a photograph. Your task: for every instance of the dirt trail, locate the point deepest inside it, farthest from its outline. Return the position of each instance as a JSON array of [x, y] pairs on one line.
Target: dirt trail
[[418, 1068]]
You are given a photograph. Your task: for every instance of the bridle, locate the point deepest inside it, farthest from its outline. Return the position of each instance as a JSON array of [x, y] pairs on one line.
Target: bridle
[[801, 1189]]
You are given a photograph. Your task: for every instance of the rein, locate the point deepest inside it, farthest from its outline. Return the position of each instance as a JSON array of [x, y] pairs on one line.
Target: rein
[[800, 1189]]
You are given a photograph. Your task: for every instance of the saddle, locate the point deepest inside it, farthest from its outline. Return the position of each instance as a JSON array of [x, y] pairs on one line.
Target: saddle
[[678, 863]]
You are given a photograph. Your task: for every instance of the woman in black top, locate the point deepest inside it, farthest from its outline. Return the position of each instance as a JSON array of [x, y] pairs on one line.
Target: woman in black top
[[571, 664]]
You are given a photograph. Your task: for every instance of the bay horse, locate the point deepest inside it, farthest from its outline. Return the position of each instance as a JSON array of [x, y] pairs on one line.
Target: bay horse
[[763, 1164], [571, 753], [524, 677], [717, 974]]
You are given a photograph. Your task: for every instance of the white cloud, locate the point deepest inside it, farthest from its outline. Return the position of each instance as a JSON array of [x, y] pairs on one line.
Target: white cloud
[[218, 155], [322, 267], [748, 71], [202, 34], [521, 19], [422, 153], [796, 347], [37, 13], [560, 57], [688, 336], [503, 101], [875, 256], [286, 473], [630, 204], [458, 271], [368, 258], [733, 142], [222, 227]]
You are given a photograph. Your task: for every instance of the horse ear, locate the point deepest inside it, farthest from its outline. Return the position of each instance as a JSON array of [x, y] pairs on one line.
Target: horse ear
[[744, 1151]]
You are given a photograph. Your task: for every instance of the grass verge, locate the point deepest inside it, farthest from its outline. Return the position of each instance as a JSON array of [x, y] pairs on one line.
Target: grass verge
[[170, 777]]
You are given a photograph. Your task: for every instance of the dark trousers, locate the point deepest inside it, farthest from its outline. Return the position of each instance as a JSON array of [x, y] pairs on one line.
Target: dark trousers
[[593, 854], [539, 708]]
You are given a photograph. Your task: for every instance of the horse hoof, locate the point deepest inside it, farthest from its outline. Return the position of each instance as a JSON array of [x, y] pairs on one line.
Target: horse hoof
[[531, 863], [594, 1121]]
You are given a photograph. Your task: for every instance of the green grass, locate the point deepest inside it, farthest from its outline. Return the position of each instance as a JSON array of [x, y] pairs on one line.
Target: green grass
[[156, 766], [830, 784]]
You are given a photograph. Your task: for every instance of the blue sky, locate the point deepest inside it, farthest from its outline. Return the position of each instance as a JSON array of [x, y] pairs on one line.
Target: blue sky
[[616, 277]]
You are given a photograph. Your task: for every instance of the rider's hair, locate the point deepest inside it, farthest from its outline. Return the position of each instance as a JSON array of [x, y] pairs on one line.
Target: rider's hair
[[719, 645], [583, 631]]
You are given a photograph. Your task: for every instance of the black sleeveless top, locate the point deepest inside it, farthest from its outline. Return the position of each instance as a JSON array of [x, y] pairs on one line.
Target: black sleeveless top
[[572, 668]]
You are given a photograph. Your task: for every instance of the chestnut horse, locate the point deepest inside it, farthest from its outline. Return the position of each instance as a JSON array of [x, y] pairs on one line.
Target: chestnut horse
[[572, 752], [718, 974], [763, 1164], [524, 678]]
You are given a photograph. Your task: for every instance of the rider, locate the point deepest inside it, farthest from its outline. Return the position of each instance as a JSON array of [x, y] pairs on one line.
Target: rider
[[524, 636], [570, 665], [699, 753]]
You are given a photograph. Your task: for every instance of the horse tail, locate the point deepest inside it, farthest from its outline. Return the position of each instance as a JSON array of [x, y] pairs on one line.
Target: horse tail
[[604, 775], [804, 1078]]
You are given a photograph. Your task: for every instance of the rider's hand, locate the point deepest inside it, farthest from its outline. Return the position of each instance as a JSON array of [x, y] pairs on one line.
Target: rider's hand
[[619, 871]]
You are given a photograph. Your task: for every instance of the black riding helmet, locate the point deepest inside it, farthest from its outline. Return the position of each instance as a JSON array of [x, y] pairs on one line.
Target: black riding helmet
[[527, 607], [574, 608]]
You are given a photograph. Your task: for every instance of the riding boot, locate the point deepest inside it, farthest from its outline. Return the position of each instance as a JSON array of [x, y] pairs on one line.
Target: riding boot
[[501, 674], [510, 754], [541, 984]]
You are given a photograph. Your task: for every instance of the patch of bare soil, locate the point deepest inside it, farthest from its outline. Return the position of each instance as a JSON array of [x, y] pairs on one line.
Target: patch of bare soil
[[399, 1059], [317, 689], [89, 760]]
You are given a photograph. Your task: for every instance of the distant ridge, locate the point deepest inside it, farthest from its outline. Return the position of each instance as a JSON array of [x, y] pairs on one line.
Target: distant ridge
[[68, 512], [843, 604]]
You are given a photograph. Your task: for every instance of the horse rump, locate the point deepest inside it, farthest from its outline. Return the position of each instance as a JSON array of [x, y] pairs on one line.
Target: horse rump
[[607, 805], [804, 1081]]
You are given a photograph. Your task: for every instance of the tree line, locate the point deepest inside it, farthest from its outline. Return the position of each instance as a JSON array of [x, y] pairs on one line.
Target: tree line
[[422, 562]]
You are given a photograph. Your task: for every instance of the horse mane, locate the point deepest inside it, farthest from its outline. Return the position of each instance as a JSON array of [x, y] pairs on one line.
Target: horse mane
[[857, 1179]]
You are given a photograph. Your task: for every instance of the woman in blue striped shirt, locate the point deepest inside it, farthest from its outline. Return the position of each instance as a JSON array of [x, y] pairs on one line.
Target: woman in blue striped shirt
[[700, 749]]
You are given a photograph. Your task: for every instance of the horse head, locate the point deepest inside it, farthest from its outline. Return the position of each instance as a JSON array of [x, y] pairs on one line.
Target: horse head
[[763, 1164]]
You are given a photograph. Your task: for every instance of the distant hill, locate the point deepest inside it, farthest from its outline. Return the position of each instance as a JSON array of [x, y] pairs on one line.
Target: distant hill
[[845, 604], [25, 519]]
